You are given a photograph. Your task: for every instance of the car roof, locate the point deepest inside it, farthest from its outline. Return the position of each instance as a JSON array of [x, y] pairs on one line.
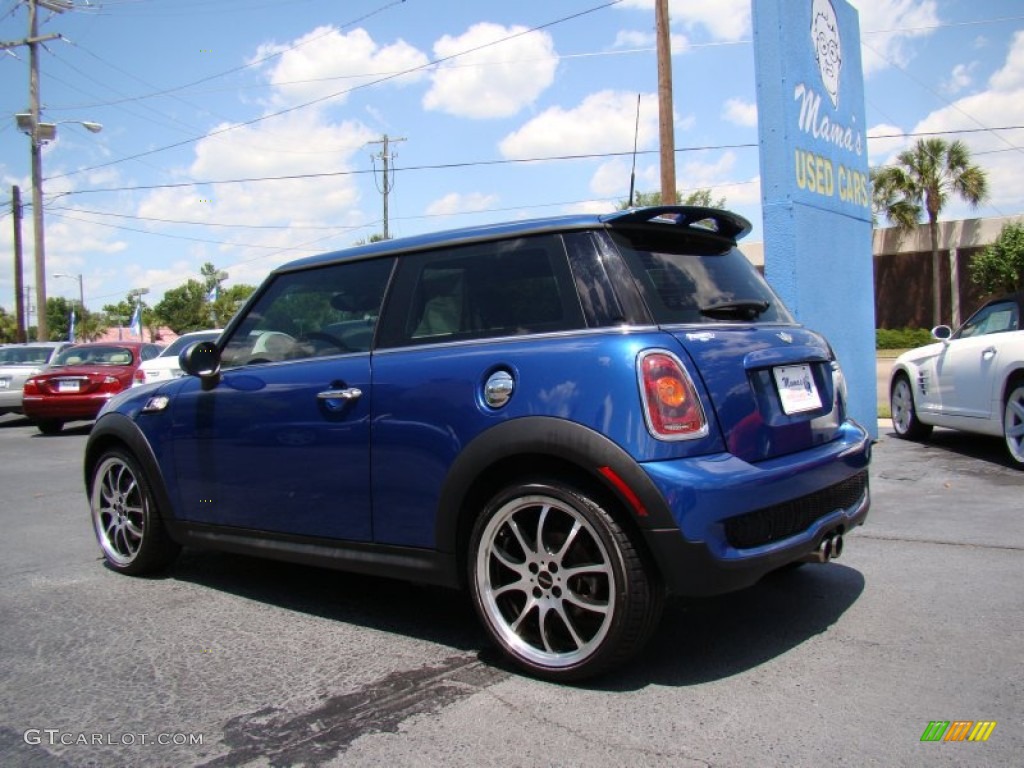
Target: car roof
[[710, 222]]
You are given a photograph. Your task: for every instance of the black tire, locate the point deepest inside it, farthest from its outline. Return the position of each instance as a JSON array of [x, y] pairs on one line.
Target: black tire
[[125, 517], [904, 413], [558, 584], [1013, 422], [50, 426]]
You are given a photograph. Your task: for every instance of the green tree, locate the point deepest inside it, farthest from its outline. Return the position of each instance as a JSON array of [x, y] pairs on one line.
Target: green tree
[[58, 317], [921, 183], [184, 308], [1000, 267], [121, 314], [229, 301], [8, 327], [700, 197]]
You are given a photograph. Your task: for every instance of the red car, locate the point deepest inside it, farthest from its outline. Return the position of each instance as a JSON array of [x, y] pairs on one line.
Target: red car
[[80, 380]]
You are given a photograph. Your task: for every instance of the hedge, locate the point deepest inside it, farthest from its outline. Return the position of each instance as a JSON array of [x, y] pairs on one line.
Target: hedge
[[902, 338]]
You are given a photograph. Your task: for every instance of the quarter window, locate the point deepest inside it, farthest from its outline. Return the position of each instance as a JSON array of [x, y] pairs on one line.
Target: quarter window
[[330, 310], [503, 288]]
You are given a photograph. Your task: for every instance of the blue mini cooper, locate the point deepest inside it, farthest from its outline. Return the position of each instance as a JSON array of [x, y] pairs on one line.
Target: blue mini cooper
[[568, 417]]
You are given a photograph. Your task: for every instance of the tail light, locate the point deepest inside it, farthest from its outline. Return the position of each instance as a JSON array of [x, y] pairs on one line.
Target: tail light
[[110, 384], [31, 387], [140, 376], [671, 406]]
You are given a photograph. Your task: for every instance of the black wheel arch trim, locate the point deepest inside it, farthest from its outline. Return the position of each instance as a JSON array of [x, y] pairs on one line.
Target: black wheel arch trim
[[539, 436], [118, 428]]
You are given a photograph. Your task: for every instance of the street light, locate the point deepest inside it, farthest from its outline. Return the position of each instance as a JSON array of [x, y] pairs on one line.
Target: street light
[[40, 133], [81, 293]]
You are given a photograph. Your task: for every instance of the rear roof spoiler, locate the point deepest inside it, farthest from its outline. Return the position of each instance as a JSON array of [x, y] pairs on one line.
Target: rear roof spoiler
[[697, 219]]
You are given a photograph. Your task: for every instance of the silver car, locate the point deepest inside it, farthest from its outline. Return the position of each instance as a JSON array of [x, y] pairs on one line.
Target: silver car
[[20, 361]]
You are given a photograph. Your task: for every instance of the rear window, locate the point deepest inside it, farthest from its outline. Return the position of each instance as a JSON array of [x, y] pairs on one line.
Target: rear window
[[24, 355], [689, 279], [98, 355]]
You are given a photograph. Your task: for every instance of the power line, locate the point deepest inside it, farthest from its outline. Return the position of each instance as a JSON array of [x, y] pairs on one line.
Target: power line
[[507, 161], [321, 99]]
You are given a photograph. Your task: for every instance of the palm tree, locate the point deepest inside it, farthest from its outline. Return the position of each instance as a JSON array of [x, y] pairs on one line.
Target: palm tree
[[922, 180]]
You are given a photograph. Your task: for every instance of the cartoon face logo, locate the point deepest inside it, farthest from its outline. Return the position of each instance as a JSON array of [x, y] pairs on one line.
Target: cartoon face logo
[[828, 48]]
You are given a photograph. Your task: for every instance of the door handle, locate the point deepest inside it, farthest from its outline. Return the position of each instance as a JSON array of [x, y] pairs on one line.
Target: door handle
[[349, 393], [988, 353]]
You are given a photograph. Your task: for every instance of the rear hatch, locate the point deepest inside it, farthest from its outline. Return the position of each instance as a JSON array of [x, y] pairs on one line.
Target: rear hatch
[[771, 388], [770, 381]]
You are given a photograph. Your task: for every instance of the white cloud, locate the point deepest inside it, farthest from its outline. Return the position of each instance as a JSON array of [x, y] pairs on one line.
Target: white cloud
[[887, 26], [1011, 75], [960, 78], [454, 202], [595, 207], [740, 112], [495, 81], [603, 122], [326, 62], [723, 19], [882, 150]]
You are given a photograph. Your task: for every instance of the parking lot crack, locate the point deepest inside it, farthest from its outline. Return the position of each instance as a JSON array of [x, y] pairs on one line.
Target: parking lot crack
[[939, 542]]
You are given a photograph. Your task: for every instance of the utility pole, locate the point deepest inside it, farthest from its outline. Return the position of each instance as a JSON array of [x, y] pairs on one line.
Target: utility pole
[[387, 182], [33, 129], [19, 287], [666, 132]]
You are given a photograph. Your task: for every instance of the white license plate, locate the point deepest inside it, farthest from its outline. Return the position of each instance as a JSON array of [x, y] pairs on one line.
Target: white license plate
[[797, 389], [68, 386], [5, 383]]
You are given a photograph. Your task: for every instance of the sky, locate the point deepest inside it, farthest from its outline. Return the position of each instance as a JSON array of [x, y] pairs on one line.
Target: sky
[[247, 133]]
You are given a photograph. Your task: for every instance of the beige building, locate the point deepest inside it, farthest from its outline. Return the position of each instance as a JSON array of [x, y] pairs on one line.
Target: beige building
[[903, 270]]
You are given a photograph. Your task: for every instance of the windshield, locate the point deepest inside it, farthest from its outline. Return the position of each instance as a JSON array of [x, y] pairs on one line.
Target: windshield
[[691, 279], [98, 355], [189, 338], [24, 355]]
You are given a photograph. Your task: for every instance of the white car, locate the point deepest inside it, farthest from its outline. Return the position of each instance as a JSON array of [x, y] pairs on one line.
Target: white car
[[19, 362], [971, 380], [164, 366]]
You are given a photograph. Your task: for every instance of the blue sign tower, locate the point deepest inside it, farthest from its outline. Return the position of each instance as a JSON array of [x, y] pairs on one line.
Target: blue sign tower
[[815, 185]]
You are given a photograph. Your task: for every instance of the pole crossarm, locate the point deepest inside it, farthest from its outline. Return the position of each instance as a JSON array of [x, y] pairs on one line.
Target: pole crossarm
[[5, 44]]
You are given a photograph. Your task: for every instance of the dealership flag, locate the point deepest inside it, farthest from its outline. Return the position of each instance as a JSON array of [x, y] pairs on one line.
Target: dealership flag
[[136, 325], [71, 326]]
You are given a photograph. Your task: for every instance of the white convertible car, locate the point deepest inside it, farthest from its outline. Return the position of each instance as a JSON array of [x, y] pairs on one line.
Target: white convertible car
[[971, 380]]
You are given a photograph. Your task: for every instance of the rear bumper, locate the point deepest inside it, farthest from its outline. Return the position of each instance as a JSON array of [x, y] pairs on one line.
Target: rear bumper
[[738, 521], [10, 400], [66, 407]]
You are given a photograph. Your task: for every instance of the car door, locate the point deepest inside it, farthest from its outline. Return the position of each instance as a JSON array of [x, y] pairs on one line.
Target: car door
[[281, 442], [971, 361]]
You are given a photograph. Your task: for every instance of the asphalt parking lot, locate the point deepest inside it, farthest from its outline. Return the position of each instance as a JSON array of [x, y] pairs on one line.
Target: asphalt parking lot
[[238, 662]]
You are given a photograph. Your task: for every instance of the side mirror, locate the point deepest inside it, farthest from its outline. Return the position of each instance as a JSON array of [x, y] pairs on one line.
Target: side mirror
[[942, 332], [201, 359]]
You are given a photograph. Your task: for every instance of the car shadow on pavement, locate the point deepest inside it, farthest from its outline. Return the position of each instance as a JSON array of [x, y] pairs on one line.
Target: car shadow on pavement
[[698, 640], [703, 640], [950, 443], [430, 613]]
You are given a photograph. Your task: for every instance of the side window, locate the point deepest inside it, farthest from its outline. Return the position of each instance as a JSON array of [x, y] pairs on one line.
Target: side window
[[330, 310], [996, 318], [502, 288]]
